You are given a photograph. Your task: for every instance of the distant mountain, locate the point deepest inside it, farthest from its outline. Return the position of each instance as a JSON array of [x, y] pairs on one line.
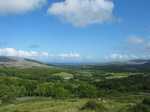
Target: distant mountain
[[7, 61], [138, 65], [138, 61]]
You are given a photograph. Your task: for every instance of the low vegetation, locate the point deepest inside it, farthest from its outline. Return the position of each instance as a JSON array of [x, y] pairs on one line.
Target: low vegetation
[[73, 90]]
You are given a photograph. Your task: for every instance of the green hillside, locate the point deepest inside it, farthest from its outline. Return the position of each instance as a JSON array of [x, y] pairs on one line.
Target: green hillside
[[53, 89]]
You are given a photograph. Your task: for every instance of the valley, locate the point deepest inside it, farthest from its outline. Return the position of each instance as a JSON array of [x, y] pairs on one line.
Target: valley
[[82, 88]]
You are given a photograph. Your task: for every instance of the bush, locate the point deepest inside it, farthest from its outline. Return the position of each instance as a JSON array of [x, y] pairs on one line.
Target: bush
[[94, 105], [146, 101], [7, 93], [86, 90]]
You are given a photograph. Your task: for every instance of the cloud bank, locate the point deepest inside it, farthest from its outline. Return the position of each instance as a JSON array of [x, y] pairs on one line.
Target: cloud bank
[[19, 6], [138, 47], [70, 55], [21, 53], [83, 12], [34, 54], [122, 57]]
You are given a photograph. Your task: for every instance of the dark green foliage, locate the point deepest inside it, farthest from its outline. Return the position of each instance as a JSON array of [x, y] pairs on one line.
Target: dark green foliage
[[146, 101], [135, 83], [41, 82], [60, 92], [44, 89], [52, 90], [86, 90]]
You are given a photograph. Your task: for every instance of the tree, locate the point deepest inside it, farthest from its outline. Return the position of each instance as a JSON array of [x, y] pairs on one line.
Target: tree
[[7, 93], [44, 89], [60, 92], [86, 90]]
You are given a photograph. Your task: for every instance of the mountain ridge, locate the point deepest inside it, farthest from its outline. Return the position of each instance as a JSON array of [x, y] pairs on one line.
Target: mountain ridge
[[8, 61]]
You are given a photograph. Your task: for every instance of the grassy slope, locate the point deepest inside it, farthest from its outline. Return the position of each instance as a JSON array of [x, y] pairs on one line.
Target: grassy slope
[[118, 104], [67, 105]]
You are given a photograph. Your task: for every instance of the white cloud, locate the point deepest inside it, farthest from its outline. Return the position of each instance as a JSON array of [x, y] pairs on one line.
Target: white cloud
[[19, 6], [124, 57], [83, 12], [34, 54], [136, 40], [69, 55], [21, 53], [66, 57], [116, 56]]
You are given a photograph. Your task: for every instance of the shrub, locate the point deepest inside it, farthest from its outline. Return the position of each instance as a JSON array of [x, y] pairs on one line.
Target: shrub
[[7, 94], [146, 101], [86, 90], [94, 105]]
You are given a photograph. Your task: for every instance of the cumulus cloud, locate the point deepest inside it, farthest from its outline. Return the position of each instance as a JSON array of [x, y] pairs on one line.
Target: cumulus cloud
[[21, 53], [19, 6], [83, 12]]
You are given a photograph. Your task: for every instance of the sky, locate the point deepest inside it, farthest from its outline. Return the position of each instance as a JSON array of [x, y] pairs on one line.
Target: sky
[[75, 30]]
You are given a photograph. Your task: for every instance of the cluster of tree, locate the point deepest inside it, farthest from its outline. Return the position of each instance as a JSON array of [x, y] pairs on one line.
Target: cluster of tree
[[39, 74], [142, 68], [132, 84], [41, 82], [11, 87]]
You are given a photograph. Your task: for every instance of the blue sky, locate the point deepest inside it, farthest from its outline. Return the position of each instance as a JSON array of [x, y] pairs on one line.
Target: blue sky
[[119, 30]]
